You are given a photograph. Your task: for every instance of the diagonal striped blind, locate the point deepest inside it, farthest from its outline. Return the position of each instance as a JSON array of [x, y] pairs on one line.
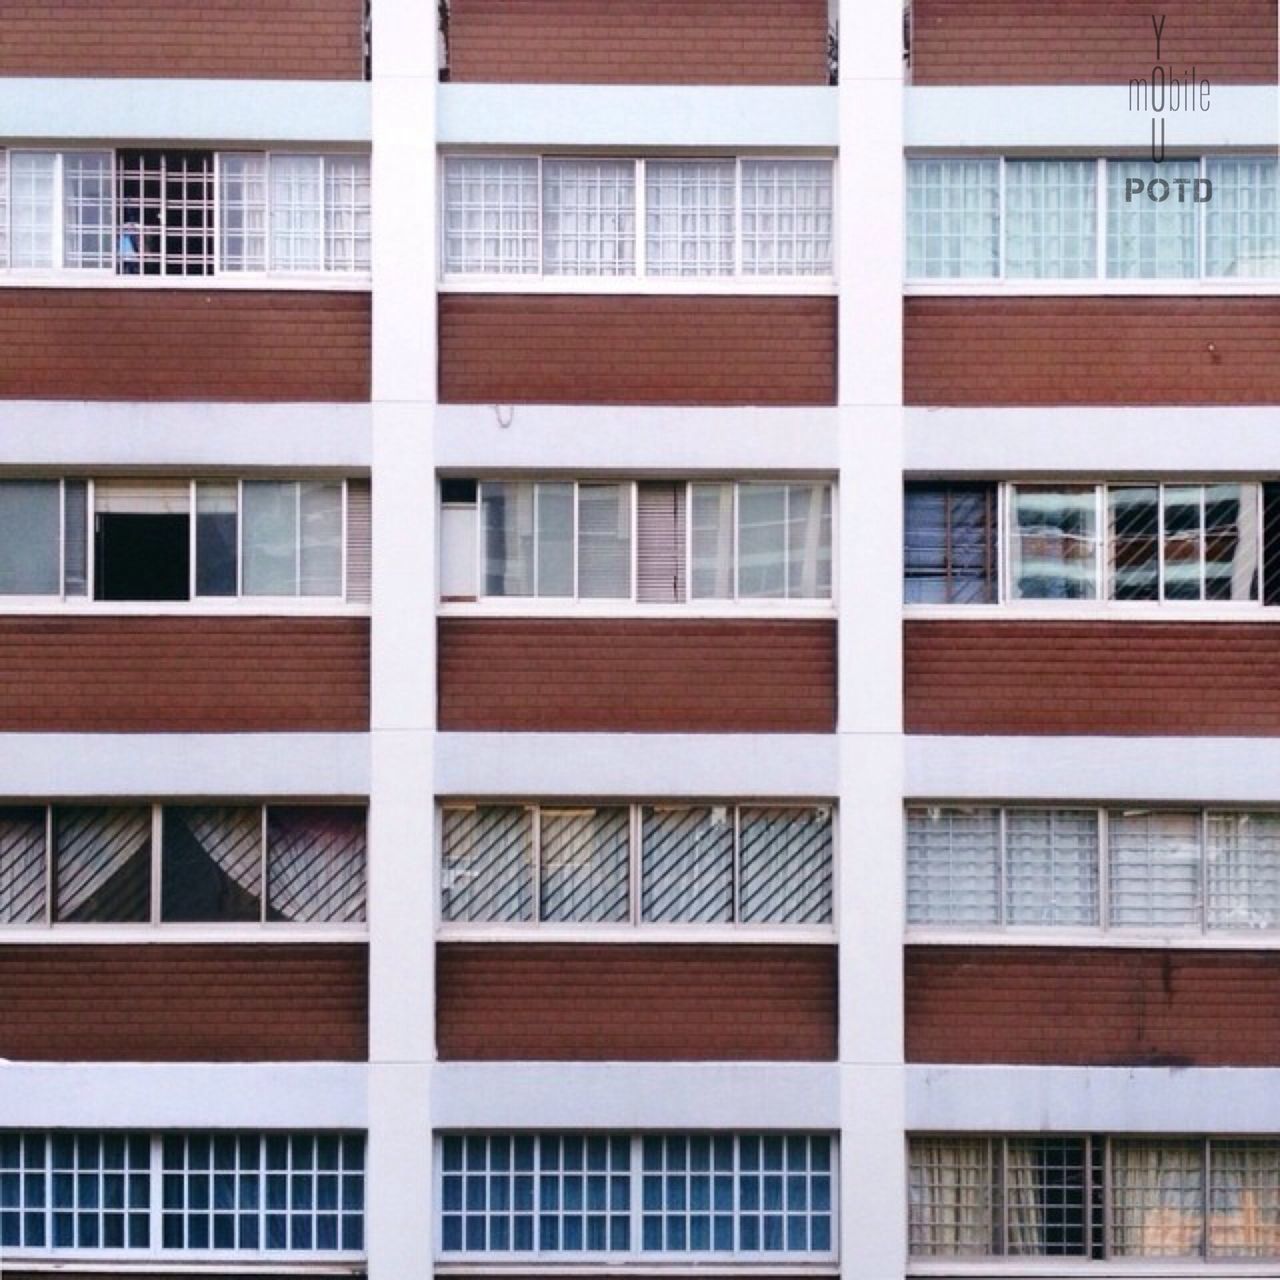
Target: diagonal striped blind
[[687, 864], [22, 866], [316, 858], [487, 863], [585, 862], [102, 864], [785, 865]]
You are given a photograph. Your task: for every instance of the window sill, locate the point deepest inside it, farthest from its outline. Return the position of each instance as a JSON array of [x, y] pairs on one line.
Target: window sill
[[186, 934], [1092, 611], [178, 1261], [641, 1265], [1127, 939], [1092, 287], [1152, 1268], [633, 610], [664, 934], [722, 286], [347, 282], [266, 608]]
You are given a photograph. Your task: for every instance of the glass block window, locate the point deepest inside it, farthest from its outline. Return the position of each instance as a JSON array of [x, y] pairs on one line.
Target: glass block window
[[1050, 219], [588, 217], [584, 861], [1053, 542], [1148, 238], [953, 218], [242, 211], [1154, 860], [1244, 1199], [1243, 880], [87, 198], [1242, 221], [1051, 867], [487, 862], [31, 205], [787, 217], [690, 214], [953, 866], [491, 216], [275, 1193], [950, 544]]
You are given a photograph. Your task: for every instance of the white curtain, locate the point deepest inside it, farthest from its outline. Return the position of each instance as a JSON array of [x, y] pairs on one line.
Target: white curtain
[[1157, 1199], [950, 1212], [1244, 1204]]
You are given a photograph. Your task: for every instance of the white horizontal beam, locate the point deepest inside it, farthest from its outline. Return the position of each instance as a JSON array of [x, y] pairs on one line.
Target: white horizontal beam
[[86, 433], [636, 116], [145, 765], [35, 109], [780, 766], [1083, 118]]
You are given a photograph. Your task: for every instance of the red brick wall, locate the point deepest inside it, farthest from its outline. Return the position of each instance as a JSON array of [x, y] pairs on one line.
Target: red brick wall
[[639, 41], [183, 674], [157, 1002], [637, 676], [1092, 677], [1119, 351], [625, 1002], [259, 39], [541, 349], [1090, 41], [183, 344], [1108, 1007]]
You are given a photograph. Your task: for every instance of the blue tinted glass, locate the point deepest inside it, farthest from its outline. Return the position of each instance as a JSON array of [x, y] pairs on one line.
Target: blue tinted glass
[[524, 1153], [597, 1192], [300, 1234], [499, 1194], [620, 1193], [139, 1231], [797, 1234], [820, 1234], [773, 1237], [700, 1193], [197, 1233], [327, 1152], [524, 1191], [476, 1152], [171, 1231], [620, 1235], [749, 1194], [574, 1153], [326, 1191], [597, 1154], [773, 1151], [302, 1189], [699, 1154], [651, 1153], [571, 1235], [353, 1234], [10, 1183], [199, 1151], [749, 1234], [723, 1233], [475, 1235], [749, 1153], [304, 1153], [820, 1153], [277, 1191], [451, 1154], [113, 1191], [651, 1232], [700, 1232], [499, 1154], [197, 1193], [33, 1227], [248, 1231], [248, 1186], [451, 1231], [676, 1193], [87, 1231], [10, 1229], [277, 1231], [499, 1235], [797, 1192], [548, 1233], [475, 1185], [64, 1190], [797, 1153], [597, 1238], [651, 1192], [352, 1191], [675, 1235], [524, 1232], [772, 1191], [572, 1189], [820, 1190], [549, 1192], [353, 1152], [327, 1231]]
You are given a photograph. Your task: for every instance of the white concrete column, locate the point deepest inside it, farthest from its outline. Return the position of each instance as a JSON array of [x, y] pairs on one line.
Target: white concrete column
[[870, 199], [401, 963]]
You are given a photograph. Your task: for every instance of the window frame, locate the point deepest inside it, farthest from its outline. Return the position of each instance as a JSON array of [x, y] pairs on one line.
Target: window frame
[[640, 281], [634, 927]]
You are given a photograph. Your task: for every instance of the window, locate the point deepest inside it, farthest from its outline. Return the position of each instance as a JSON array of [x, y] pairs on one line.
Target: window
[[672, 1194], [1093, 1198], [1168, 870], [1184, 543], [577, 540], [673, 218], [210, 863], [30, 516], [184, 213], [993, 218], [694, 864], [189, 1193]]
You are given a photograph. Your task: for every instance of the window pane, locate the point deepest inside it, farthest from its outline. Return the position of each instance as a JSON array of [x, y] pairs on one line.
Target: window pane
[[1244, 1199], [1157, 1199], [786, 217], [243, 211], [950, 544], [1050, 218], [585, 865], [1244, 870], [506, 512], [4, 208], [270, 554], [87, 208], [1133, 515], [588, 217], [1183, 542], [808, 541], [1045, 1190], [320, 505], [786, 857], [100, 1190], [953, 866], [953, 219], [22, 866], [346, 213], [555, 539], [297, 217], [491, 219], [1051, 867], [211, 865], [102, 864], [604, 541], [1054, 543], [762, 540], [1231, 540], [216, 534], [1242, 221], [689, 209], [1148, 238], [31, 209], [687, 864], [487, 863], [164, 212], [1155, 869], [29, 514], [951, 1211], [712, 577], [75, 537], [142, 540], [316, 858]]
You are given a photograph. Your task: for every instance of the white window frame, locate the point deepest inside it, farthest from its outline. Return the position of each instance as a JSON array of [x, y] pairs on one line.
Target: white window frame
[[636, 1258], [1103, 933], [640, 282], [634, 927], [1100, 283], [157, 929]]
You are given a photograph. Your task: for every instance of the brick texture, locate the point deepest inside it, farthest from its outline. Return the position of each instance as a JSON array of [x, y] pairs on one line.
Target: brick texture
[[258, 39], [639, 41], [158, 1002], [1212, 679], [1106, 1007], [1090, 41], [624, 1002], [183, 675], [1107, 351], [622, 676], [557, 349], [183, 344]]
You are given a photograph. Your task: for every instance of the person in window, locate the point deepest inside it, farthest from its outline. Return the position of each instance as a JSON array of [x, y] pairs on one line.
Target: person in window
[[127, 251]]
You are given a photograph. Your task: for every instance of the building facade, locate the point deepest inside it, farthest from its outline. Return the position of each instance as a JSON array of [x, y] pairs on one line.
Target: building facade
[[637, 639]]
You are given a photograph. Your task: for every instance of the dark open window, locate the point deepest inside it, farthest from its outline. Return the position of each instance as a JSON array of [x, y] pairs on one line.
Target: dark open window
[[950, 543], [142, 541], [164, 213]]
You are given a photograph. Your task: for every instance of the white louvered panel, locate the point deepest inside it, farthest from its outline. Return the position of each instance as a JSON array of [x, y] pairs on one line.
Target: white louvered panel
[[359, 541], [142, 497], [660, 567]]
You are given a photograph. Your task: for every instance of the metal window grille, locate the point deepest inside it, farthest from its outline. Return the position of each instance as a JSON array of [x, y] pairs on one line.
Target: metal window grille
[[242, 211], [588, 217], [691, 216], [953, 219], [786, 217], [1243, 871], [297, 213], [491, 216], [1244, 1199], [31, 208], [951, 1198], [1050, 219], [347, 213], [165, 213], [1147, 238], [950, 544], [87, 209], [953, 866], [1242, 221], [1157, 1199]]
